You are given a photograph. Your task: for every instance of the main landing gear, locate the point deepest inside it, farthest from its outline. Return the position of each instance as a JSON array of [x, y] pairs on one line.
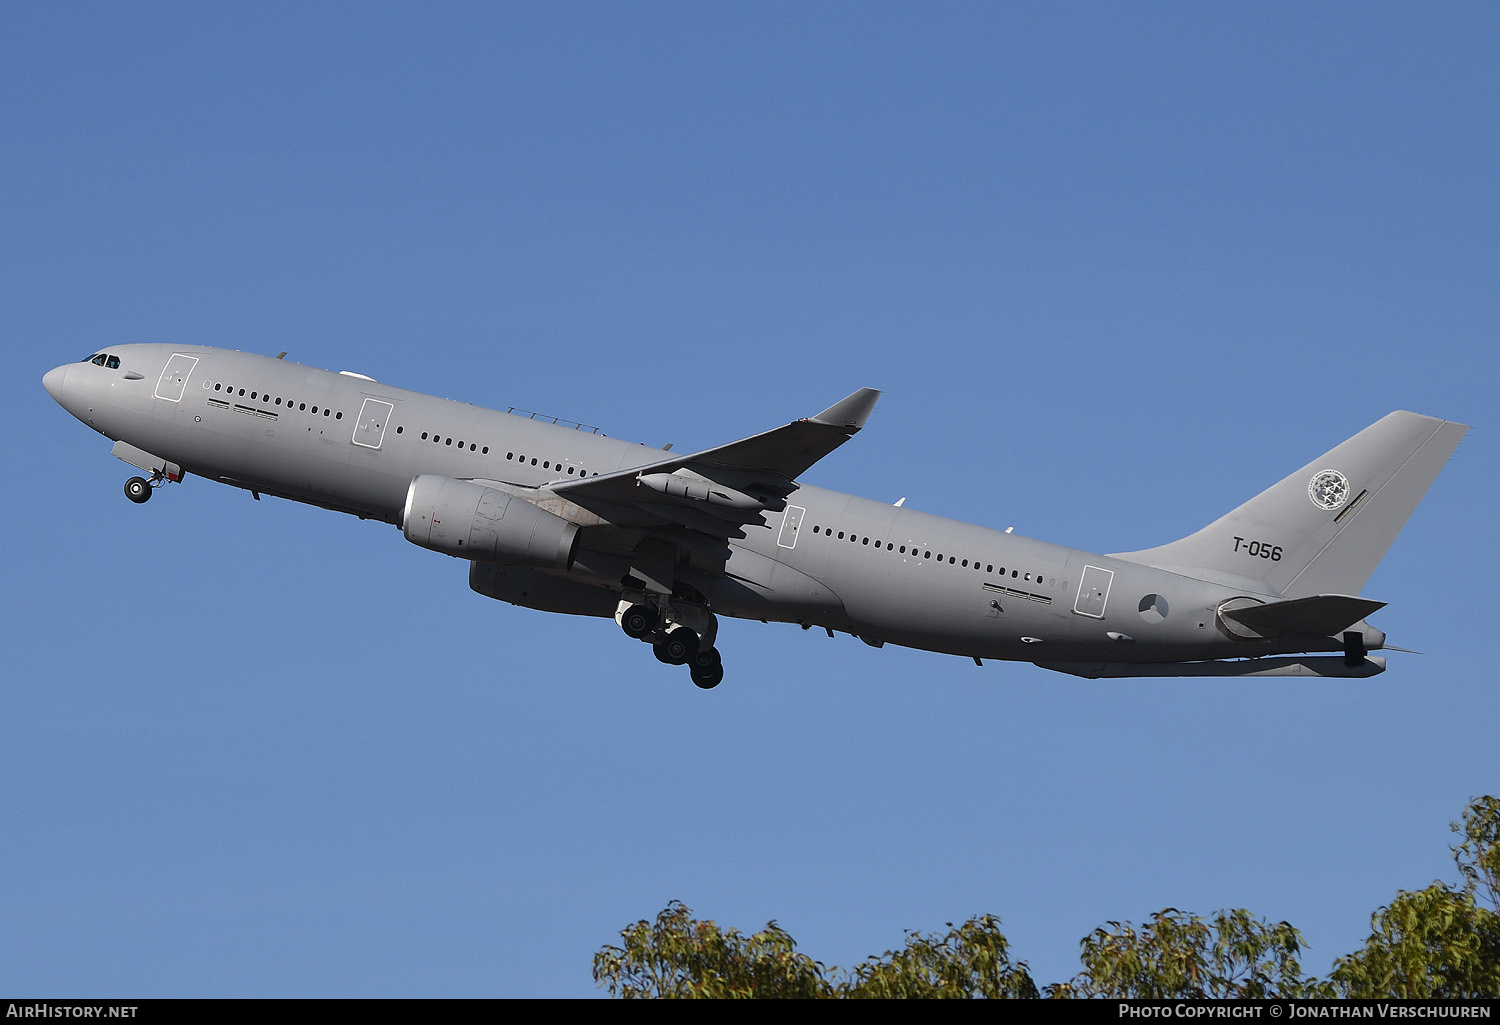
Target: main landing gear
[[679, 635]]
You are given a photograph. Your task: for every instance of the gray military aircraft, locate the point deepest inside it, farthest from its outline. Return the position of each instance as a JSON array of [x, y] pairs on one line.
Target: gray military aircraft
[[553, 515]]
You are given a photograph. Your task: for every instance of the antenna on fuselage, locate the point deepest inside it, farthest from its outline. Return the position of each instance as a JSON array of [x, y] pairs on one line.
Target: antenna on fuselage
[[900, 501], [281, 355]]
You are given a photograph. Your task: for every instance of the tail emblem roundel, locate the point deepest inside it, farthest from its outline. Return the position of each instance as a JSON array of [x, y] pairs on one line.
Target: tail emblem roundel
[[1328, 489]]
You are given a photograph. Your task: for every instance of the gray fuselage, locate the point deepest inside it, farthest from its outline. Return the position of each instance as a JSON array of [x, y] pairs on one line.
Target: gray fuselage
[[886, 574]]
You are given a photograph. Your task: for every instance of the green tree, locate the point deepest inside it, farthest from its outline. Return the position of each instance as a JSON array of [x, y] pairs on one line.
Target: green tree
[[1478, 854], [1437, 942], [677, 956], [1177, 956], [969, 961]]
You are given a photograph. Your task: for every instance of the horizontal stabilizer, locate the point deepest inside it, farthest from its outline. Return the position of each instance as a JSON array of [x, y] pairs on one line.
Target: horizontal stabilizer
[[1321, 614], [1294, 665]]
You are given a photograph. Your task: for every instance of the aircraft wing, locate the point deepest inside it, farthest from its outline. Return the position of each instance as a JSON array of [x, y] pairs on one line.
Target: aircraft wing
[[720, 489]]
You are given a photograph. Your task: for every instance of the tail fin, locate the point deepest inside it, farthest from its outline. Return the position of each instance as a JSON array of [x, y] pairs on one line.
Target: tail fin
[[1324, 529]]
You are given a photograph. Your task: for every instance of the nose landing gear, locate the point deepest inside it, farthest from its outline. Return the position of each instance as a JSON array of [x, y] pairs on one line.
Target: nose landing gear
[[138, 490]]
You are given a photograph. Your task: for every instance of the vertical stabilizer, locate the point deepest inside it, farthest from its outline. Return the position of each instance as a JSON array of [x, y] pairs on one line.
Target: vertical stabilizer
[[1324, 529]]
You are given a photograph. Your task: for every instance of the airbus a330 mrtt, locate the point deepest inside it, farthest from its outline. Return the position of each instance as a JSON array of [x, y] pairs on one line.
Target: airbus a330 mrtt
[[553, 515]]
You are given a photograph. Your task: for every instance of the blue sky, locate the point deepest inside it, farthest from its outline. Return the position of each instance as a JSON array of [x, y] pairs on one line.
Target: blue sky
[[1116, 267]]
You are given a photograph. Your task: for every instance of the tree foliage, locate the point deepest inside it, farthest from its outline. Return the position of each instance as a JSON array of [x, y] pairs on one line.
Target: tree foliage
[[1434, 943], [971, 960], [1478, 853], [1177, 956], [1438, 942], [677, 956]]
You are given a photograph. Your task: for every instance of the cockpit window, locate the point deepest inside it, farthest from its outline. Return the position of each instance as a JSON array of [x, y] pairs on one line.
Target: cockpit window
[[103, 360], [97, 357], [112, 362]]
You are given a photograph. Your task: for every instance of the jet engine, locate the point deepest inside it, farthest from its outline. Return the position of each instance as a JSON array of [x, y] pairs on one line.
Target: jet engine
[[470, 521]]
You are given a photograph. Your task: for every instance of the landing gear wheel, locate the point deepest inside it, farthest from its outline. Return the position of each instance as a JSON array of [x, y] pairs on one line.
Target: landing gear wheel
[[638, 621], [660, 651], [679, 647], [705, 658], [138, 489], [707, 677]]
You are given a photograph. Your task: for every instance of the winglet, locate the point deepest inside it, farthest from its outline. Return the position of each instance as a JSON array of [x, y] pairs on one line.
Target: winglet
[[852, 412]]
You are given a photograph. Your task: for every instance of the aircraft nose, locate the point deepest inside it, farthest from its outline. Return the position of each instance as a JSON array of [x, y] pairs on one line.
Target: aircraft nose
[[54, 380]]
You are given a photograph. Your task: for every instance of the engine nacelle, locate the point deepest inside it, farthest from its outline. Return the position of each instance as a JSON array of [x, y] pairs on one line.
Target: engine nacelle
[[470, 521]]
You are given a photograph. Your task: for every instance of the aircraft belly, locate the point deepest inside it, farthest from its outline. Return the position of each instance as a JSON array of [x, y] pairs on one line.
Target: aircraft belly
[[754, 586]]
